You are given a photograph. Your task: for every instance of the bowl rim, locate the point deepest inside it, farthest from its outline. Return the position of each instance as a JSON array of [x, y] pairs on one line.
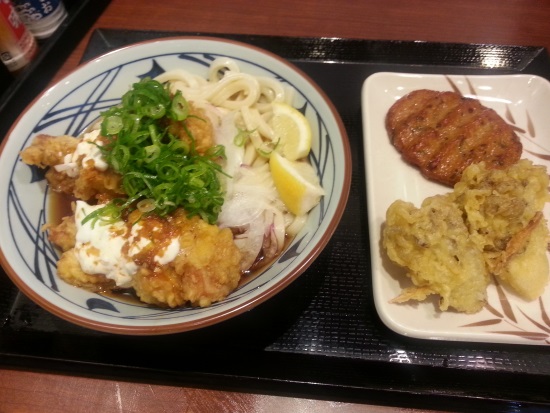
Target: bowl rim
[[247, 304]]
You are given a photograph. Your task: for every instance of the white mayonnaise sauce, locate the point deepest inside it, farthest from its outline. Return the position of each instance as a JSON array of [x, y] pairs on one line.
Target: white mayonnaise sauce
[[86, 151], [169, 253], [99, 248]]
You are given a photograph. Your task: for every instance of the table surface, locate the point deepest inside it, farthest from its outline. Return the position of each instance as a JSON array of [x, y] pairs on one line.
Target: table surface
[[514, 22]]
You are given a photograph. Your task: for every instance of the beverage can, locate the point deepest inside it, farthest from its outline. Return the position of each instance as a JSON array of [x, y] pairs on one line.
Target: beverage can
[[42, 17], [17, 44]]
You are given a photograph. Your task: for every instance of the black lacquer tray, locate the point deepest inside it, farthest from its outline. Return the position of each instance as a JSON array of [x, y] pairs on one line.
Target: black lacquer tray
[[321, 337]]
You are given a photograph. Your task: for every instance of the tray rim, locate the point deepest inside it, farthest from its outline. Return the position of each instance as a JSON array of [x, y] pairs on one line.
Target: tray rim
[[399, 385]]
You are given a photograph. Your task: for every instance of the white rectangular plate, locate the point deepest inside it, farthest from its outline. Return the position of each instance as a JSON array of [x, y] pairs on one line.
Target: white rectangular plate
[[524, 102]]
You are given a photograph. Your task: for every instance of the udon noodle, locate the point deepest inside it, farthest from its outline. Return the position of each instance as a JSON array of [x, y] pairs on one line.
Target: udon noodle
[[237, 103]]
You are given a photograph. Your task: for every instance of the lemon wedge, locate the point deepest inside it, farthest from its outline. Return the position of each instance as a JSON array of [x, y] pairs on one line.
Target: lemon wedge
[[292, 131], [296, 182]]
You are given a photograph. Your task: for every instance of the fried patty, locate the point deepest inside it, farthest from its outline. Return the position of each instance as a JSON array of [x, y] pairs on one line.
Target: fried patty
[[443, 132]]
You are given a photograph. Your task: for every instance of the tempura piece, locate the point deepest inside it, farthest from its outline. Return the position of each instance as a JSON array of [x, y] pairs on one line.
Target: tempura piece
[[491, 224], [504, 217], [527, 272], [433, 243]]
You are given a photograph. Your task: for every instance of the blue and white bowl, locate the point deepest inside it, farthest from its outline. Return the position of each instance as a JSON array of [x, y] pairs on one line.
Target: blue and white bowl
[[75, 102]]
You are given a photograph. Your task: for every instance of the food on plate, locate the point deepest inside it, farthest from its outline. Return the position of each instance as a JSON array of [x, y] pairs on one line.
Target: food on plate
[[172, 193], [490, 225], [433, 243], [443, 132], [505, 219]]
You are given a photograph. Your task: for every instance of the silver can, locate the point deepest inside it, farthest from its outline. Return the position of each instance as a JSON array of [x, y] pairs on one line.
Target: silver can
[[42, 17]]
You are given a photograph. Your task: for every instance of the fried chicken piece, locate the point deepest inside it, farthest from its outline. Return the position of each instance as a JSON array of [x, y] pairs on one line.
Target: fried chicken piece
[[88, 183], [206, 270], [70, 271], [64, 234], [443, 132], [99, 185], [47, 150], [433, 243], [196, 130], [60, 182]]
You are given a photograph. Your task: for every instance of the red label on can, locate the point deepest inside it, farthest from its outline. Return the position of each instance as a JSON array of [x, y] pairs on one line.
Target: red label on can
[[11, 16], [17, 44]]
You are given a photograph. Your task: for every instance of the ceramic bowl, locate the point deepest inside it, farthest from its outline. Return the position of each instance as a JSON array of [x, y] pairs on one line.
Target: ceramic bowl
[[68, 107]]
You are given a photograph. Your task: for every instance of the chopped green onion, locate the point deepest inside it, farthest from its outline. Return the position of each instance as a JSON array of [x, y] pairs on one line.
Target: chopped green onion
[[268, 148], [160, 172], [179, 107], [113, 124], [241, 137]]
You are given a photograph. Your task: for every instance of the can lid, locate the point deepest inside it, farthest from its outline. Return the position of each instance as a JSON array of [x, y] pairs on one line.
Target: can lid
[[46, 27]]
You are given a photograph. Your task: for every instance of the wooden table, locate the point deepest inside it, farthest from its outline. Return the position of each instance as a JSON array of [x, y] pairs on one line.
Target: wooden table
[[511, 22]]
